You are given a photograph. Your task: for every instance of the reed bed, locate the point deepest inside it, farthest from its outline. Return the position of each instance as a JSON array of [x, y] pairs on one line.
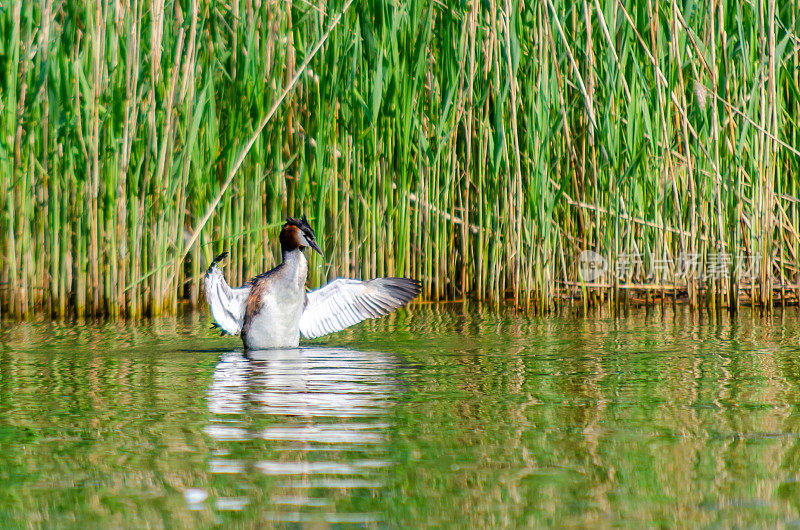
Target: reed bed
[[477, 146]]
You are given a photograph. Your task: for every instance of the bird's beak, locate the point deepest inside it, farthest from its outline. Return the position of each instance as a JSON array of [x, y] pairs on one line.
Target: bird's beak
[[313, 244]]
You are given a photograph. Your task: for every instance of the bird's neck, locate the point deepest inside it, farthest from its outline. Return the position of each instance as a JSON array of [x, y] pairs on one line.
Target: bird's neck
[[295, 264], [294, 255]]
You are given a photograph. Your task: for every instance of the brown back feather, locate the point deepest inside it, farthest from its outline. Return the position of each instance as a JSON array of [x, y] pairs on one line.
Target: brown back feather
[[254, 302]]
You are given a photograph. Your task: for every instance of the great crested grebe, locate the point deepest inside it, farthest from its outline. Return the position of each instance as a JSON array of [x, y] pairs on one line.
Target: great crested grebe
[[273, 309]]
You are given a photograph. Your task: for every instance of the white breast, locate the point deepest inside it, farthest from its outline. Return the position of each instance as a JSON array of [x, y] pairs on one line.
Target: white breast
[[277, 323]]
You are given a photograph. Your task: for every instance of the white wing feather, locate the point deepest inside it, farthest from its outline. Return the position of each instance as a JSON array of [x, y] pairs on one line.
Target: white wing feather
[[344, 302], [227, 303]]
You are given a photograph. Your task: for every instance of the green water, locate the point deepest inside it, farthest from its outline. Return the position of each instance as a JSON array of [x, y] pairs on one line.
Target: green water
[[437, 416]]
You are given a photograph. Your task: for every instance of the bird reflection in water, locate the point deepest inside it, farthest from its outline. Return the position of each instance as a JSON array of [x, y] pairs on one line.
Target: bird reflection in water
[[322, 414]]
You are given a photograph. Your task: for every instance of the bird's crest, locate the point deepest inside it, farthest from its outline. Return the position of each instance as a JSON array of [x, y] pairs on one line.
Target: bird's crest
[[302, 224]]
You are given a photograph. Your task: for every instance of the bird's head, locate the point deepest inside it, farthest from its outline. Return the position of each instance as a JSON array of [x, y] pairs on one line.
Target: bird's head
[[297, 233]]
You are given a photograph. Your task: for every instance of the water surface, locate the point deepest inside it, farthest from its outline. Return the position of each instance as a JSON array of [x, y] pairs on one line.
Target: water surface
[[438, 415]]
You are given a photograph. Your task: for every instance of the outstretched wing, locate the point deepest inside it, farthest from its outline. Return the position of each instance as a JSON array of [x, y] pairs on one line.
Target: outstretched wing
[[227, 304], [344, 302]]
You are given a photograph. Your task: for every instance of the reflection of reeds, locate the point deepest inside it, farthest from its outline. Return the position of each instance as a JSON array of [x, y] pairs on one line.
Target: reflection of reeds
[[597, 420], [530, 422], [479, 147]]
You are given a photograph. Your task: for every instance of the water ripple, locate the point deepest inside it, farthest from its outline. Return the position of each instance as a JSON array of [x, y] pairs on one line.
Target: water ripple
[[323, 415]]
